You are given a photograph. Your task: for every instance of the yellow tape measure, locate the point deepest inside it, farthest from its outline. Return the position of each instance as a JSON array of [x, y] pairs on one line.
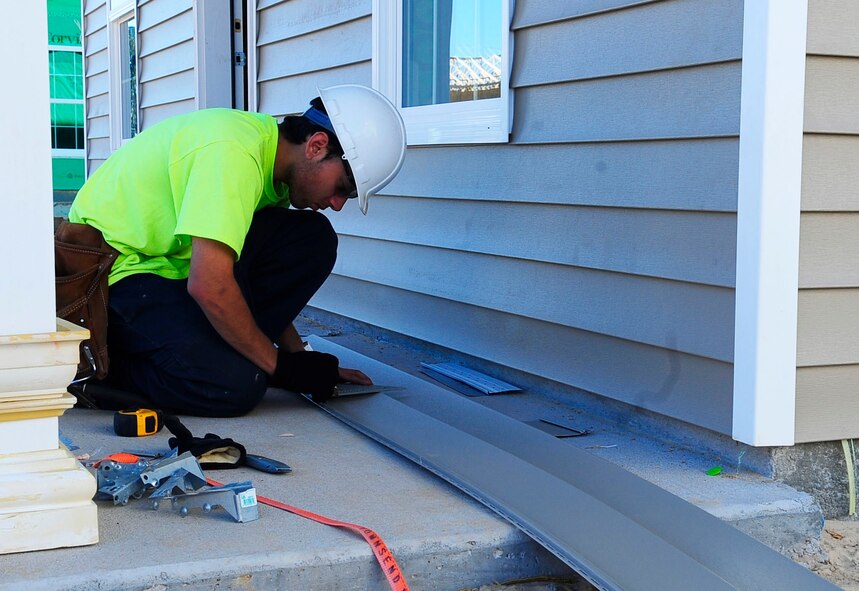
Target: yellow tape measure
[[138, 422]]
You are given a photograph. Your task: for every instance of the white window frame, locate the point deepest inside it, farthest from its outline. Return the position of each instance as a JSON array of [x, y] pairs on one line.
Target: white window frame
[[120, 12], [480, 121]]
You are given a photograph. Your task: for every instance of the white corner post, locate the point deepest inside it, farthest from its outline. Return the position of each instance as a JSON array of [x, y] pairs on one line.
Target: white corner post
[[252, 56], [214, 65], [45, 495], [768, 212]]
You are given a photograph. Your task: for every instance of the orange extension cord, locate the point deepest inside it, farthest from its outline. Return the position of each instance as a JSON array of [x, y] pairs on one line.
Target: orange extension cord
[[380, 550]]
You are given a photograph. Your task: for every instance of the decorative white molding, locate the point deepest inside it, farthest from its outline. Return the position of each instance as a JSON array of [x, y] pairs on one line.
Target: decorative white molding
[[45, 494], [29, 435], [45, 502], [39, 363], [768, 209]]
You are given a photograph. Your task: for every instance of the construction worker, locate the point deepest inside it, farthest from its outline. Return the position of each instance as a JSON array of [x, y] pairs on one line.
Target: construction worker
[[215, 215]]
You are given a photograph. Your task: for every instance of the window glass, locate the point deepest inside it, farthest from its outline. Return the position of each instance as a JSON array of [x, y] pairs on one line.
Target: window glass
[[66, 86], [65, 69], [451, 51], [67, 126], [128, 80]]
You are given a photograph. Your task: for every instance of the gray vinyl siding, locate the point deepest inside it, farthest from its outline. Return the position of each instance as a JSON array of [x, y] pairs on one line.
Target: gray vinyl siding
[[302, 44], [677, 174], [169, 60], [828, 329], [166, 59], [97, 84], [597, 248], [659, 379]]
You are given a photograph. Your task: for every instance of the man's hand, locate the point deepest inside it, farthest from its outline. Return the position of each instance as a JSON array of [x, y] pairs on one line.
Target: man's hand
[[354, 376], [307, 372]]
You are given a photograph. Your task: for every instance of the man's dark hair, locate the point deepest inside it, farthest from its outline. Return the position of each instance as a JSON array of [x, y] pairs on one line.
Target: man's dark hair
[[296, 129]]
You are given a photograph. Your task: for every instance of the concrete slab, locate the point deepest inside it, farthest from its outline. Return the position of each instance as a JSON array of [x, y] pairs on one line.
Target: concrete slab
[[441, 539]]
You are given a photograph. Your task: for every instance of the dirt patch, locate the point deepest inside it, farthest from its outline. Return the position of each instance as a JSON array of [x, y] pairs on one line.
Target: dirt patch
[[837, 556]]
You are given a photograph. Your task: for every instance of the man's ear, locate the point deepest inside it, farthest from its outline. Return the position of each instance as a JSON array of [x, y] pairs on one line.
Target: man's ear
[[316, 146]]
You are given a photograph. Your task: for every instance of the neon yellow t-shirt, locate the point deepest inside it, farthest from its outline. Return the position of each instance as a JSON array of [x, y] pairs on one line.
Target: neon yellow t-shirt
[[200, 174]]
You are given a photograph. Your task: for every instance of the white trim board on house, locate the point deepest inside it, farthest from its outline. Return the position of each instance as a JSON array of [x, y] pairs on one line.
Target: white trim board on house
[[768, 211]]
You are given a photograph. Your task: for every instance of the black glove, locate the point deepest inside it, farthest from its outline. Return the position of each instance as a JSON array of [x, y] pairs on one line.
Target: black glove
[[307, 372], [211, 451]]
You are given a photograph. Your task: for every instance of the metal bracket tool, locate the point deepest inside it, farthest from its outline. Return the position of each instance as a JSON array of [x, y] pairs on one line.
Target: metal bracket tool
[[119, 482], [239, 499], [172, 464], [180, 480]]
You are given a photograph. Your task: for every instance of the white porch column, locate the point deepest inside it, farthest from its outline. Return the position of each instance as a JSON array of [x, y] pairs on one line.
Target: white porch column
[[773, 94], [45, 495]]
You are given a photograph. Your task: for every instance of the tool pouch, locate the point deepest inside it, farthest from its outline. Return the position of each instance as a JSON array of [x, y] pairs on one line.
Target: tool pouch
[[83, 261]]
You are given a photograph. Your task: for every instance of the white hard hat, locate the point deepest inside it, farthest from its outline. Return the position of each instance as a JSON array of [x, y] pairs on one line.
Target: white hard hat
[[372, 134]]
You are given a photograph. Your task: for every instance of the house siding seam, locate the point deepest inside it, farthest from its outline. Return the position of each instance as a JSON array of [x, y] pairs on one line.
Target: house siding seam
[[828, 334]]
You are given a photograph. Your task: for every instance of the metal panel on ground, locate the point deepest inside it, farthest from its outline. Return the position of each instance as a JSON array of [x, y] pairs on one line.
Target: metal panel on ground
[[616, 529]]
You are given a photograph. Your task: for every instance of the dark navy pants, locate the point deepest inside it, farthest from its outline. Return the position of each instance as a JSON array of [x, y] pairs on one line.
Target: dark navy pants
[[162, 346]]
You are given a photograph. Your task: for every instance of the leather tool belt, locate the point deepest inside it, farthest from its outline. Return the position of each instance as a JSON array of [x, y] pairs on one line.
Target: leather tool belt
[[83, 262]]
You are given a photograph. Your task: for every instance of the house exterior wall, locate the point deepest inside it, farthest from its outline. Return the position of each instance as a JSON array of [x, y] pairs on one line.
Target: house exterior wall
[[96, 83], [827, 343], [302, 44], [597, 248], [166, 59], [175, 73]]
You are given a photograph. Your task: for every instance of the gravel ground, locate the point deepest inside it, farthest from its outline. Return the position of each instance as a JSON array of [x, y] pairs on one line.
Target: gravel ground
[[837, 556]]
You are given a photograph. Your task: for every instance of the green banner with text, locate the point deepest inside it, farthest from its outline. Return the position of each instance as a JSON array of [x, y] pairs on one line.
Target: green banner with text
[[64, 23]]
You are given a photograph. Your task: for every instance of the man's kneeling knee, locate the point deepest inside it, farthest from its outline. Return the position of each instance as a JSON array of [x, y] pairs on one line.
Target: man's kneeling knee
[[234, 400]]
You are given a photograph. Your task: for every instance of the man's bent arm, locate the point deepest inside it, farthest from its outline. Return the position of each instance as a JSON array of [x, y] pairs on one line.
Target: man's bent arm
[[213, 286], [290, 340]]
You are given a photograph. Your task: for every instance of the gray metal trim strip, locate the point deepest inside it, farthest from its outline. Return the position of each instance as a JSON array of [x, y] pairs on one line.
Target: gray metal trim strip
[[617, 530]]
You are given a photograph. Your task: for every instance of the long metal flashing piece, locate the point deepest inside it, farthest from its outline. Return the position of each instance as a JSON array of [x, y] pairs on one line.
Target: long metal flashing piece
[[617, 530]]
